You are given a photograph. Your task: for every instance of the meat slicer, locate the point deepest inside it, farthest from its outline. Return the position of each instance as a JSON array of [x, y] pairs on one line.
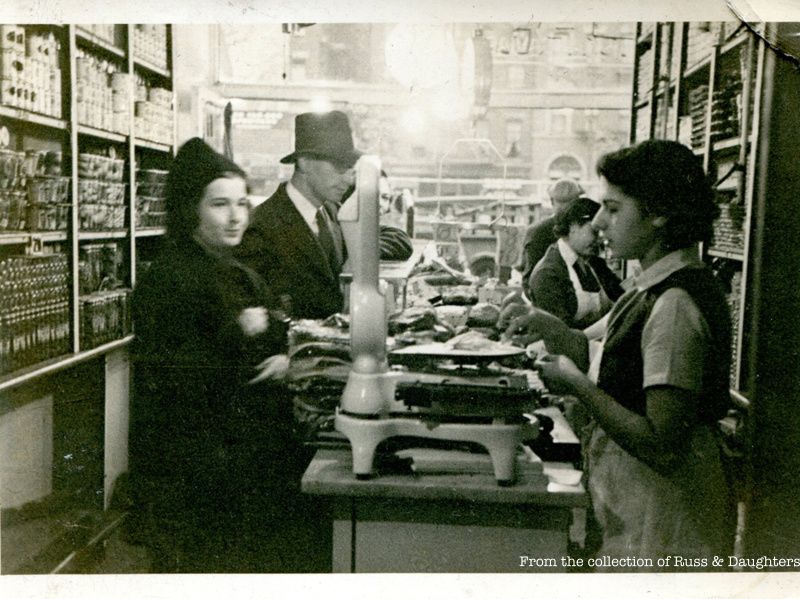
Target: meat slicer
[[378, 403]]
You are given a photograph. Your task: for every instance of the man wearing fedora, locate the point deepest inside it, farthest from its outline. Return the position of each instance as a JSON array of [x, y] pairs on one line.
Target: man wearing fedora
[[294, 240]]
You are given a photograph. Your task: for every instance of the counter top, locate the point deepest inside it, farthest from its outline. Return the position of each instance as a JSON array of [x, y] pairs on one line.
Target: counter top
[[330, 473]]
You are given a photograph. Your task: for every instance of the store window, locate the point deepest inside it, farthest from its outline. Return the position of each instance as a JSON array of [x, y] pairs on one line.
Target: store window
[[565, 165]]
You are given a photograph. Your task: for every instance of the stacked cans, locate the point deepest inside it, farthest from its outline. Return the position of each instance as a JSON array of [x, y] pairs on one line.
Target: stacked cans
[[153, 110], [34, 310], [30, 77], [151, 198], [101, 193], [100, 267], [102, 93], [33, 195], [150, 44], [105, 316]]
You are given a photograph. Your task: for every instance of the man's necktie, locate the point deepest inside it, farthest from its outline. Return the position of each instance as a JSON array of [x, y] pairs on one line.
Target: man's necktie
[[327, 240], [586, 276]]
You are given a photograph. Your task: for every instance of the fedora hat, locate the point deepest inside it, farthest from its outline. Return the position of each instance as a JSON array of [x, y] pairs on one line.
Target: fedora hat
[[323, 135]]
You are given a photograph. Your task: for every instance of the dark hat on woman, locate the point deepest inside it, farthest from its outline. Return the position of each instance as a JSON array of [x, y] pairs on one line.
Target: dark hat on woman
[[324, 135], [195, 166]]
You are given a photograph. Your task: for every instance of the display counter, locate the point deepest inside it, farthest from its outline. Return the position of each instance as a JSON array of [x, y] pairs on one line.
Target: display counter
[[447, 522]]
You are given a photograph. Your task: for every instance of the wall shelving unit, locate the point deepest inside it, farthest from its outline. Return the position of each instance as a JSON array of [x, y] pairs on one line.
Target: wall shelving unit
[[728, 94], [103, 123]]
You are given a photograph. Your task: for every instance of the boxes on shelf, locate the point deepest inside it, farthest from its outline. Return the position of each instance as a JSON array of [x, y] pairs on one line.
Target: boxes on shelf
[[34, 310]]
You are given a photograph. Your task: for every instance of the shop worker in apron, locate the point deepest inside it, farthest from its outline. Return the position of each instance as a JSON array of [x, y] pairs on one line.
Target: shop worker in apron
[[571, 281], [659, 382], [294, 239], [208, 450]]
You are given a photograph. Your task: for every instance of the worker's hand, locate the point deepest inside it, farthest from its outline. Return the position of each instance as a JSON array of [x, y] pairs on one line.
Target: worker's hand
[[560, 374], [535, 325], [254, 321], [273, 368], [508, 313]]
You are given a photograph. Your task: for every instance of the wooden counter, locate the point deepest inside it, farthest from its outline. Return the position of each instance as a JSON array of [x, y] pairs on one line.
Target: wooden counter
[[443, 522]]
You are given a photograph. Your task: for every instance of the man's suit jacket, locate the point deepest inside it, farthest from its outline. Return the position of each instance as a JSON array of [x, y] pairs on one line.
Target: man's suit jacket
[[538, 238], [281, 247], [550, 288]]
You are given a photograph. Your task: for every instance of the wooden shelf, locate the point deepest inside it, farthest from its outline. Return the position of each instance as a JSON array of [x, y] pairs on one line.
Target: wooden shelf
[[88, 235], [641, 104], [726, 144], [33, 117], [53, 365], [693, 70], [23, 237], [730, 255], [151, 231], [153, 145], [102, 134], [148, 66], [699, 151], [735, 42], [90, 39]]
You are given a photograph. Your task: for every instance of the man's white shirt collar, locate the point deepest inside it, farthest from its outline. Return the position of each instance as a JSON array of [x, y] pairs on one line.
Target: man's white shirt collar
[[304, 206]]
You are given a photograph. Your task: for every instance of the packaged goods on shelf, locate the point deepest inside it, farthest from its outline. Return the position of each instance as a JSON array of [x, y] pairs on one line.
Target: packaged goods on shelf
[[728, 233], [702, 36], [100, 267], [151, 198], [698, 97], [30, 77], [104, 316], [644, 81], [150, 44], [734, 304], [153, 112], [104, 31], [101, 193], [642, 123], [34, 310], [102, 93], [33, 197]]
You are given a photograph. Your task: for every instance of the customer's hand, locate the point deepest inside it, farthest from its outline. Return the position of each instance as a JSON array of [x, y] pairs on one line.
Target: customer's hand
[[254, 321], [273, 368], [560, 374]]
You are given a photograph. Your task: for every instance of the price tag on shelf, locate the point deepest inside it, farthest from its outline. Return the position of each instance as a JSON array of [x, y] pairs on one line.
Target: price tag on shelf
[[35, 245]]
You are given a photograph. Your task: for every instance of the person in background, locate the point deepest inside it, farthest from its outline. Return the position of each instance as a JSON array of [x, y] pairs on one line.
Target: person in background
[[207, 449], [659, 382], [540, 236], [571, 281], [294, 239]]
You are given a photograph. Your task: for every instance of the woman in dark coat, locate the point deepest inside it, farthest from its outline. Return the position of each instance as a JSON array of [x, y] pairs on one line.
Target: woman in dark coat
[[207, 450]]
